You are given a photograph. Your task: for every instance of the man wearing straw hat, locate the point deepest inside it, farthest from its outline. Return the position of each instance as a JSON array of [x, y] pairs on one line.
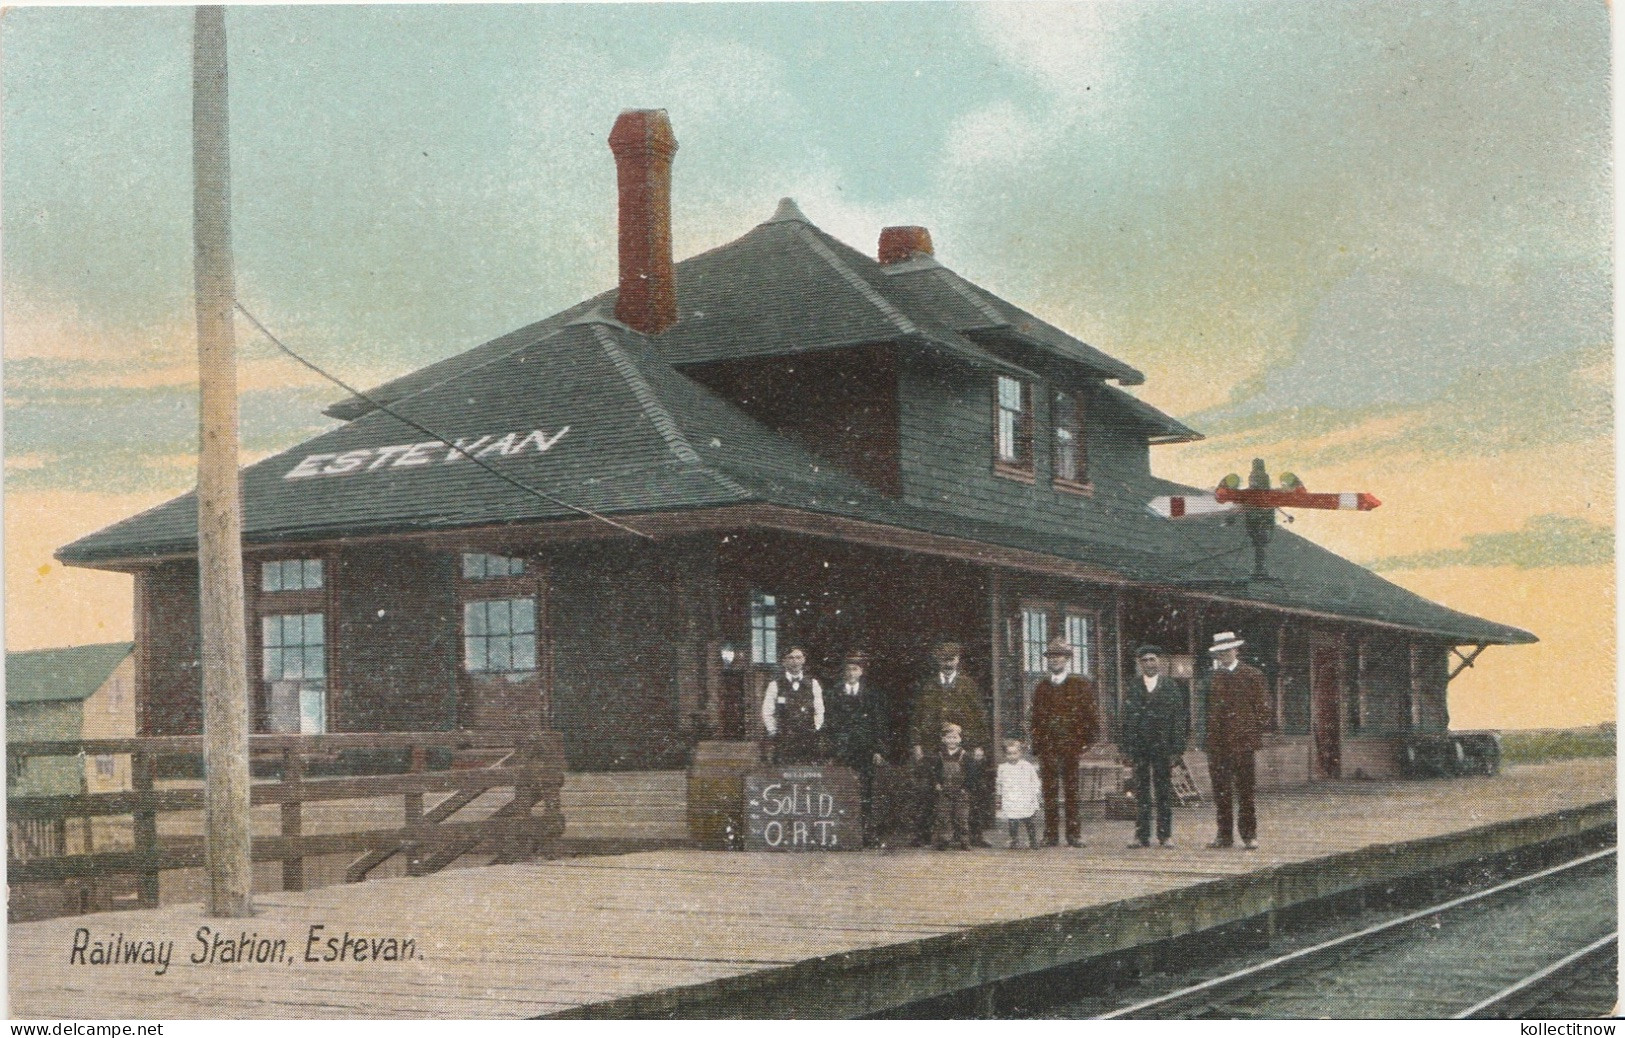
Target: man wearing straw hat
[[1238, 715]]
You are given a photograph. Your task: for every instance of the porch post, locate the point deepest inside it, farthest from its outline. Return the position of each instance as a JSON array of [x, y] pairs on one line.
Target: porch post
[[1117, 639], [995, 675]]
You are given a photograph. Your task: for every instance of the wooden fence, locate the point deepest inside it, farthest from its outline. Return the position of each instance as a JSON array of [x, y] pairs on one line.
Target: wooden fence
[[466, 766]]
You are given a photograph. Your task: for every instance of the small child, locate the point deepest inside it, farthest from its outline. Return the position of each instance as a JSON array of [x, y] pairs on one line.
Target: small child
[[1018, 793], [954, 775]]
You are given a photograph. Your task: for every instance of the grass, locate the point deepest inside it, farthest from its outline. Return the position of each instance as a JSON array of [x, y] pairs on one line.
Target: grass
[[1533, 747]]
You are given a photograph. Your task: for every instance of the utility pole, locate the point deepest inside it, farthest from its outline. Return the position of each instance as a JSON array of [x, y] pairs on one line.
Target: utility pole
[[219, 513]]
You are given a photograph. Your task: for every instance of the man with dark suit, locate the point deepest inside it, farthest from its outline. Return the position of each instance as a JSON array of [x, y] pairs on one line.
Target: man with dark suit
[[793, 711], [1065, 722], [1153, 734], [1238, 715], [949, 697], [855, 729]]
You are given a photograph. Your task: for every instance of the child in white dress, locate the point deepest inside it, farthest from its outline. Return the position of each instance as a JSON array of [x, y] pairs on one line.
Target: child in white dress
[[1018, 793]]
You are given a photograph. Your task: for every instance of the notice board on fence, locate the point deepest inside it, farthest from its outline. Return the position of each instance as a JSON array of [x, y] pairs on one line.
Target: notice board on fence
[[803, 808]]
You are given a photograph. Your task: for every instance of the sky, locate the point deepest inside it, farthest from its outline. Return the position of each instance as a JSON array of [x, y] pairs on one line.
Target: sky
[[1368, 241]]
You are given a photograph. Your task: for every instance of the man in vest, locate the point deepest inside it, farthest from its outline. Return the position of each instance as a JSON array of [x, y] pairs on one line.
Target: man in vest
[[1153, 736], [1065, 722], [1238, 715], [793, 711]]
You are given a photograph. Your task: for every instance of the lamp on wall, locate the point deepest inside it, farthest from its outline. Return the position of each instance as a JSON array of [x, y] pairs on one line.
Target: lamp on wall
[[728, 654]]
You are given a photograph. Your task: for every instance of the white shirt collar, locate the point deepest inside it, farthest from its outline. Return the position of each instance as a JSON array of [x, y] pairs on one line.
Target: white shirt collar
[[1150, 682], [947, 679]]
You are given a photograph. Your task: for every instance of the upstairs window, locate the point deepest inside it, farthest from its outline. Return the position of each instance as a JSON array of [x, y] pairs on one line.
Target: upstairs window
[[479, 566], [291, 575], [1013, 435], [1071, 464]]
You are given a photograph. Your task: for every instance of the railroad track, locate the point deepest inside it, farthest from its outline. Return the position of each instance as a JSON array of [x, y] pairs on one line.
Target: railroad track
[[1546, 943]]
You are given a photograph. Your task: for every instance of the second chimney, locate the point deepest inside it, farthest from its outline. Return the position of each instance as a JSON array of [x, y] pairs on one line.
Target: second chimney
[[901, 243], [644, 145]]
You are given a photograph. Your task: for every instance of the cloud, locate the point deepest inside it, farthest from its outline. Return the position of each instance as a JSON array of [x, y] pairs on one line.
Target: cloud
[[1243, 180], [1544, 540], [1386, 338]]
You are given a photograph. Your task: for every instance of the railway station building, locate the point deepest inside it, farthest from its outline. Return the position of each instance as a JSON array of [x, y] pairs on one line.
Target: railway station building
[[784, 440]]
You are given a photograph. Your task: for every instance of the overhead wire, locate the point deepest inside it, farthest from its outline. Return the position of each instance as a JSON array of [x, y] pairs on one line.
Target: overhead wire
[[425, 430]]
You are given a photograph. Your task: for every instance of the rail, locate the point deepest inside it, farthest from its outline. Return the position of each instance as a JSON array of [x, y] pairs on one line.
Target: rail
[[466, 767], [1218, 987]]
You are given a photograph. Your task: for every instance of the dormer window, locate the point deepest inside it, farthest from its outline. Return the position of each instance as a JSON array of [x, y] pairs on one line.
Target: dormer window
[[1071, 462], [1013, 431]]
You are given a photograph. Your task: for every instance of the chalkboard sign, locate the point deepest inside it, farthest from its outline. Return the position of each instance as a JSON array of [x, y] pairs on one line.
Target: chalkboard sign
[[803, 808]]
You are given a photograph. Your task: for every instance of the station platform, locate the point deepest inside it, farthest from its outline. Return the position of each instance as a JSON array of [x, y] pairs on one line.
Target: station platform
[[690, 933]]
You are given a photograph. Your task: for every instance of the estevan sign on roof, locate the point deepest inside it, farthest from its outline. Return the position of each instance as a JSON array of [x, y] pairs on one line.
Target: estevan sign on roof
[[413, 455]]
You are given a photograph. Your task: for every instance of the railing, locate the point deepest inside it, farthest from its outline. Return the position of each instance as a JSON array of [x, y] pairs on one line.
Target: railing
[[530, 769]]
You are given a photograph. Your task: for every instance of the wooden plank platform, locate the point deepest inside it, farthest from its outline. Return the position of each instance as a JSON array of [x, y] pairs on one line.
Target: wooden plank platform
[[685, 932]]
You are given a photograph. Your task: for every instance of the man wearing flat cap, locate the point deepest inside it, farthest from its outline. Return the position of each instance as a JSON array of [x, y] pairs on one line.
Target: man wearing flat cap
[[1065, 722], [1238, 715], [855, 726], [949, 697], [1153, 734]]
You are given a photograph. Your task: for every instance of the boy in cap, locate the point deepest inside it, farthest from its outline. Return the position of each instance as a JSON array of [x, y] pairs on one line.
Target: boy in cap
[[955, 775], [1238, 715], [950, 697]]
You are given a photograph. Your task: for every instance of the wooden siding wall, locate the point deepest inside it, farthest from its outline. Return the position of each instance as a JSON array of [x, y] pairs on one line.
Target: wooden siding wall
[[1386, 682], [841, 405], [398, 645], [168, 677], [1433, 672], [618, 634], [947, 424]]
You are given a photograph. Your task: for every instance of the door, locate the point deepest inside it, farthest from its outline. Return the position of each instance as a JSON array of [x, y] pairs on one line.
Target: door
[[503, 624], [1326, 682]]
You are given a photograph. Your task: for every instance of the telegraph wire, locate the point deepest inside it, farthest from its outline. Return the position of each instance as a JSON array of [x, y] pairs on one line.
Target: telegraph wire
[[379, 405]]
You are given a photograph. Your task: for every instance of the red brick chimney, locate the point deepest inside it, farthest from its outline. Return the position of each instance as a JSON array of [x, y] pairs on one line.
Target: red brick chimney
[[643, 145], [900, 243]]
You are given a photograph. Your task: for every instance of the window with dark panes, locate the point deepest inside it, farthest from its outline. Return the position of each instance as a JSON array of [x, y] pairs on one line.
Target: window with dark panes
[[291, 575], [499, 636], [294, 655], [764, 628], [1077, 636], [1034, 636], [1014, 435], [1071, 464]]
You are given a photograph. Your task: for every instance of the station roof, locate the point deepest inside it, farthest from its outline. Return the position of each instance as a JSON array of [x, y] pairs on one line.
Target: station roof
[[788, 287], [590, 416]]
